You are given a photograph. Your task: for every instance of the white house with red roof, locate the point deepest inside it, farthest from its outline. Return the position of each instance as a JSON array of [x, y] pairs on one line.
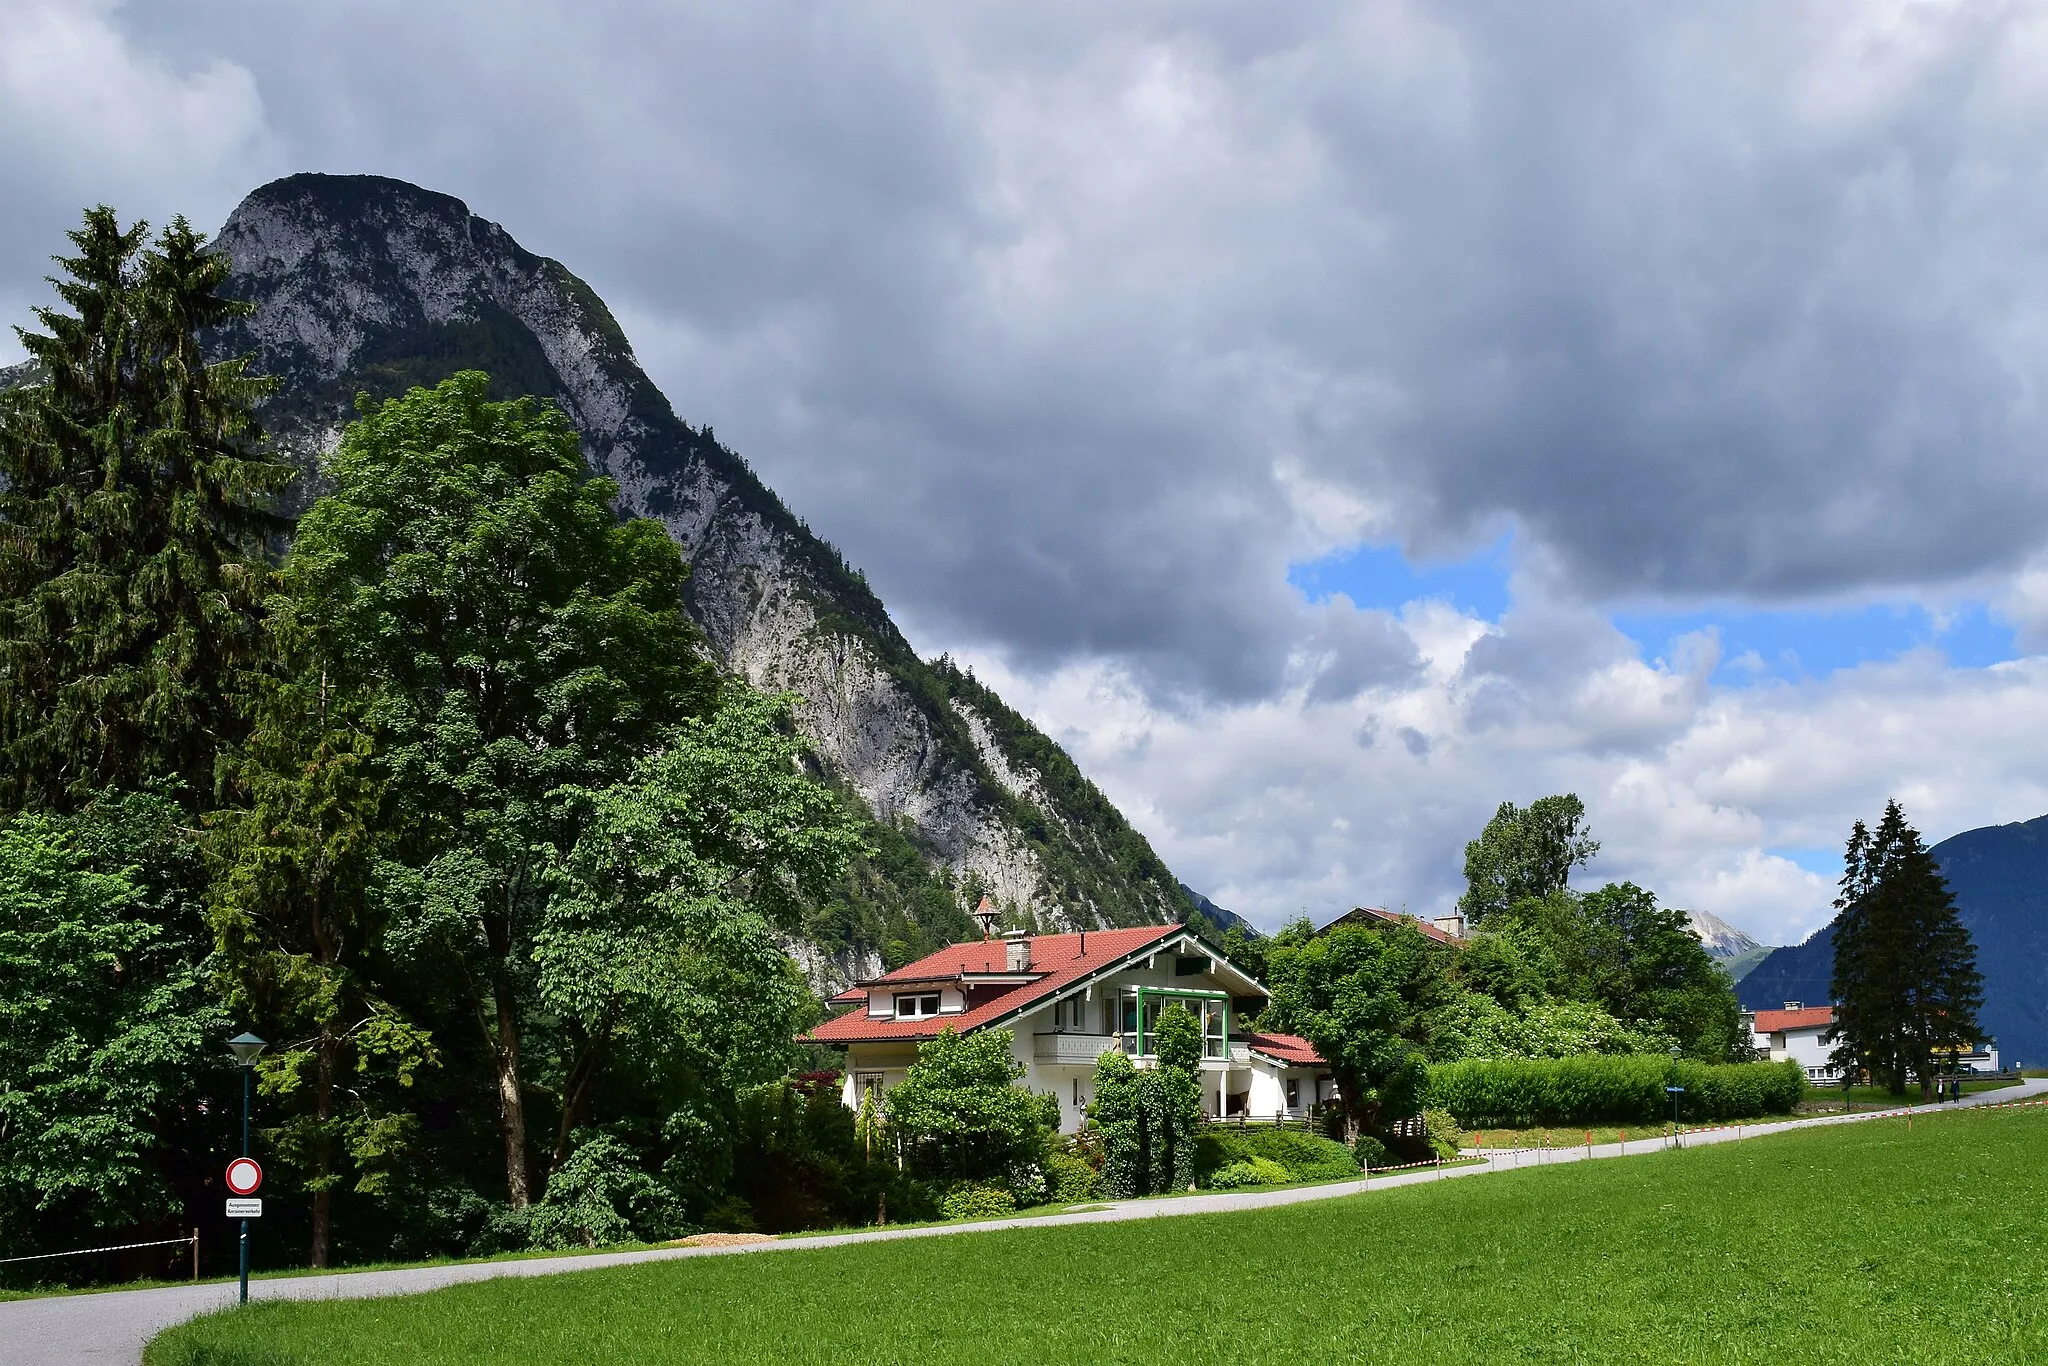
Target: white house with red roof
[[1804, 1033], [1070, 998], [1800, 1032]]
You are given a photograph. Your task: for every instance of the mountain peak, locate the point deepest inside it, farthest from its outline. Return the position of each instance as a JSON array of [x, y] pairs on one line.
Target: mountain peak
[[362, 284], [1722, 940]]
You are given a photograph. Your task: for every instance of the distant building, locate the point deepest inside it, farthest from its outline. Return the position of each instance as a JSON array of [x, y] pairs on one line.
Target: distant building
[[1800, 1032], [1804, 1034], [1445, 929], [1070, 998]]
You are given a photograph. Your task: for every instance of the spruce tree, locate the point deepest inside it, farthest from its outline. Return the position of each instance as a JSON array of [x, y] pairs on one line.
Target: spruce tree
[[132, 525], [1906, 984]]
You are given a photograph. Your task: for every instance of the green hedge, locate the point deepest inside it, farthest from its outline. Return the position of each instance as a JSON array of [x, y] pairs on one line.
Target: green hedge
[[1304, 1156], [1520, 1093]]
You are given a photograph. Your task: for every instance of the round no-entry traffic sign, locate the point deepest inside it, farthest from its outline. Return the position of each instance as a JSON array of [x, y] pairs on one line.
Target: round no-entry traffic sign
[[244, 1176]]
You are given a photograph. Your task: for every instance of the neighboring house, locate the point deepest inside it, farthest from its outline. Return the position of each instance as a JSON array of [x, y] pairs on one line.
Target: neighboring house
[[1070, 998], [1445, 929], [1804, 1034], [1799, 1032]]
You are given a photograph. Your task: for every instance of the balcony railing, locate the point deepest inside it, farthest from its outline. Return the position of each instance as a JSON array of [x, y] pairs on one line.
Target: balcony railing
[[1071, 1048]]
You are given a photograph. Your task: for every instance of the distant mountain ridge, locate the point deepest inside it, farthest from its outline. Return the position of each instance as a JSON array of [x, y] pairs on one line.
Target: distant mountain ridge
[[1721, 939], [365, 284], [1999, 875], [1222, 919]]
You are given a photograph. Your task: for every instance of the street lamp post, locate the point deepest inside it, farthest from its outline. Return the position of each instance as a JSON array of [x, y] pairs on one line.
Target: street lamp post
[[246, 1047]]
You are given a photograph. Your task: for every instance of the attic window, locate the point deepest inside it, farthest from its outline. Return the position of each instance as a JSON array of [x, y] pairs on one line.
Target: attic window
[[1189, 967], [917, 1007]]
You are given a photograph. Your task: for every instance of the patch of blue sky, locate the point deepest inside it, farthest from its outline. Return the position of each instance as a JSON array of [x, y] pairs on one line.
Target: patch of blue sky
[[1760, 644], [1383, 577], [1826, 862]]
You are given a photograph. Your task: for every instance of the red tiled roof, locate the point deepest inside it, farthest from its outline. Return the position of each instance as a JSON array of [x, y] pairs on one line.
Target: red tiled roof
[[1772, 1021], [1288, 1048], [1056, 961], [1367, 914]]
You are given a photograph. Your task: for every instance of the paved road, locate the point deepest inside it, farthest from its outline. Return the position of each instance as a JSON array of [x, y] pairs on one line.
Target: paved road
[[109, 1329]]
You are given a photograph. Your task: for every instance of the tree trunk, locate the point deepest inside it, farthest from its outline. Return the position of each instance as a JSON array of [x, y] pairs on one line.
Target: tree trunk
[[323, 1150], [511, 1105]]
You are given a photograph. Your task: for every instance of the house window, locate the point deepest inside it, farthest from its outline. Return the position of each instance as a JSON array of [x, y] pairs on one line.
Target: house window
[[1293, 1093], [1077, 1093], [866, 1084], [916, 1007]]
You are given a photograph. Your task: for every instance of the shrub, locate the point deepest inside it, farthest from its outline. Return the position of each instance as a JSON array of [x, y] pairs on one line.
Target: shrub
[[1072, 1179], [977, 1202], [1300, 1154], [1344, 1169], [1370, 1151], [600, 1195], [1608, 1090], [1444, 1134], [1259, 1171]]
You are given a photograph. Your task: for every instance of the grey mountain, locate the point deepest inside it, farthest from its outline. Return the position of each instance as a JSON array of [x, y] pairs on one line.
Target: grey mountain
[[364, 284], [1722, 940]]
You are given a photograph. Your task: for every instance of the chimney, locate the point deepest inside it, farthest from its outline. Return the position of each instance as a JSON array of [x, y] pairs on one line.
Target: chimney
[[1017, 951], [1452, 925]]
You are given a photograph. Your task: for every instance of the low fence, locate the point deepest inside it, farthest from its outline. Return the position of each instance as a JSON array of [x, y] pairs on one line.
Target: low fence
[[192, 1239]]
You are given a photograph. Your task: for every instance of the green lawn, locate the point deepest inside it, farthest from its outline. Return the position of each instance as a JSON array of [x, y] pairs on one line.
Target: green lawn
[[1858, 1243], [1828, 1099]]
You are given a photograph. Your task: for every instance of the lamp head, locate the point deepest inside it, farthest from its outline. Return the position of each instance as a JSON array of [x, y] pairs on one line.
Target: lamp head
[[245, 1047]]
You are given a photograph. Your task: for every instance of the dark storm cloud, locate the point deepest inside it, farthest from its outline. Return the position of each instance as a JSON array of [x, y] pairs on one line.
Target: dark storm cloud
[[1074, 326]]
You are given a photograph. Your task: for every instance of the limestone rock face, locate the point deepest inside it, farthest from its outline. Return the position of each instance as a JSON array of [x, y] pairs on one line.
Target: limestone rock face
[[363, 284]]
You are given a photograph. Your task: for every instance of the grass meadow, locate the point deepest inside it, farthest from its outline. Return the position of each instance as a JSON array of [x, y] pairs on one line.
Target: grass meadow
[[1854, 1243]]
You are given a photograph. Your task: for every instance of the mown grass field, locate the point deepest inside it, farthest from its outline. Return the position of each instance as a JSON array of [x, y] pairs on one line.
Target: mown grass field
[[1857, 1243]]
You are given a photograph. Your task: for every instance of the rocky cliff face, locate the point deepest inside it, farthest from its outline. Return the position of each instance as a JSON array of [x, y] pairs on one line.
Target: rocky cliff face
[[367, 284]]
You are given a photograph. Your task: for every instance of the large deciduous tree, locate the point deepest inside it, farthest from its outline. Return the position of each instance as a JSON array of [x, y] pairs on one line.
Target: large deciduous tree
[[522, 645], [133, 517], [1524, 854], [300, 930], [106, 1028], [1906, 986], [660, 929], [1362, 995]]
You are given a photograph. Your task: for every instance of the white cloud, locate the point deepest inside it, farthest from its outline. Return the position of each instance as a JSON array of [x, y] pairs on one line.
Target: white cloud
[[1075, 325], [1285, 805], [88, 116]]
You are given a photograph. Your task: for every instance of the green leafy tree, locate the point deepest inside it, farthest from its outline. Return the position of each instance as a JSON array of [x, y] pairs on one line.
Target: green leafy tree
[[1118, 1113], [1525, 853], [1648, 966], [1906, 985], [959, 1110], [1363, 996], [106, 1028], [1171, 1100], [522, 646], [133, 498], [300, 931], [660, 933]]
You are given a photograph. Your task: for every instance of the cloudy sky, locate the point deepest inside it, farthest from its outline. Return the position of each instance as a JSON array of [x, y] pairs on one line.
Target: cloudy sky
[[1328, 420]]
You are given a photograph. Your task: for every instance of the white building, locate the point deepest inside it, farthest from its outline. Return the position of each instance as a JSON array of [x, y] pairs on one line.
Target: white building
[[1800, 1032], [1070, 998], [1805, 1034]]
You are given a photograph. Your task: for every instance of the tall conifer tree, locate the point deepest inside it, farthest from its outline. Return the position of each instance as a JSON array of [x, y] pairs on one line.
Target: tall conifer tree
[[1906, 984], [132, 525]]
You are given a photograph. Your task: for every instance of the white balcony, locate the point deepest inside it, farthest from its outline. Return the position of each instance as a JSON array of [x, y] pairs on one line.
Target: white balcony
[[1077, 1048]]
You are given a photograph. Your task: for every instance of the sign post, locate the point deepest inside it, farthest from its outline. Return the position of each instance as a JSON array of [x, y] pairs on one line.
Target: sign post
[[244, 1169]]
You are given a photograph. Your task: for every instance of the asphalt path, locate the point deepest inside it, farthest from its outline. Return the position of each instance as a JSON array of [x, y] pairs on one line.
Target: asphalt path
[[110, 1328]]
